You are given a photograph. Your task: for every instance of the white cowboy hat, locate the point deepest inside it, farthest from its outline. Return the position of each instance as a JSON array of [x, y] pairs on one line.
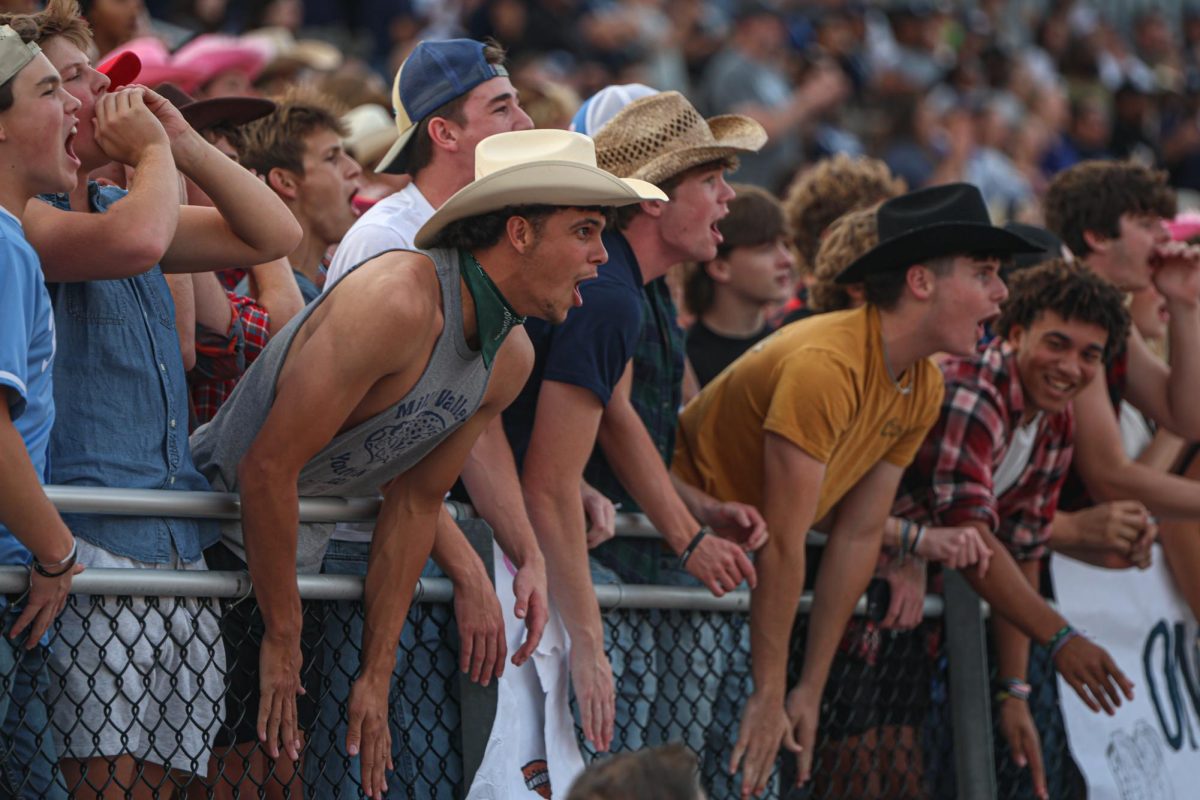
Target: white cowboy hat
[[536, 167]]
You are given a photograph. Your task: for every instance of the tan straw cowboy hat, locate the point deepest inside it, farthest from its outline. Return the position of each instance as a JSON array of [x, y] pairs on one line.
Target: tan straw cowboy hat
[[660, 136], [536, 167]]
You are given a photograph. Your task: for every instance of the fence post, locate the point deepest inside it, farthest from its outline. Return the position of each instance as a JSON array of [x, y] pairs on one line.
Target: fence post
[[970, 691], [478, 703]]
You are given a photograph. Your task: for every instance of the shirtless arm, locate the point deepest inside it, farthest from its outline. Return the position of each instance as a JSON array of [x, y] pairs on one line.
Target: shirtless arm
[[404, 535], [392, 327]]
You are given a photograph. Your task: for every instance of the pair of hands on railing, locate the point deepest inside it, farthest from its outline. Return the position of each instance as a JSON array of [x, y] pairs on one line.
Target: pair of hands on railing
[[956, 548]]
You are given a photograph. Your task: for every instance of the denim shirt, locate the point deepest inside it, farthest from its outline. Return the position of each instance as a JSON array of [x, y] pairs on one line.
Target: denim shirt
[[122, 405]]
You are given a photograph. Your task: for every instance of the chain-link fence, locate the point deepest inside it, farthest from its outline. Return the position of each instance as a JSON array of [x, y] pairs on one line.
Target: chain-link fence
[[149, 680]]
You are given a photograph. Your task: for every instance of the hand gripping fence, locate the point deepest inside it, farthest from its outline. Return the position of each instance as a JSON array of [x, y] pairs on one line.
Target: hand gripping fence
[[143, 691]]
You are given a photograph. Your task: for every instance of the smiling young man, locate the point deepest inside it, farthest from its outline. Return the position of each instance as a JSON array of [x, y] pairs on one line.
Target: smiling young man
[[822, 418], [583, 409], [37, 122], [441, 350], [997, 459], [297, 148]]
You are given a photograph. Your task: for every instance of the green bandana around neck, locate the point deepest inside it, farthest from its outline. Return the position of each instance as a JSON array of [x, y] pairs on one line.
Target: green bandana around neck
[[493, 315]]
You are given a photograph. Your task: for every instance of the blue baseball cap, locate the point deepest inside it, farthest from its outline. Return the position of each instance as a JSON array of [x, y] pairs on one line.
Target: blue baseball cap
[[433, 75]]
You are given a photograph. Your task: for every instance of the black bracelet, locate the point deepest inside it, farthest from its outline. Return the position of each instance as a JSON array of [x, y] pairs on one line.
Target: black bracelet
[[691, 548], [57, 570]]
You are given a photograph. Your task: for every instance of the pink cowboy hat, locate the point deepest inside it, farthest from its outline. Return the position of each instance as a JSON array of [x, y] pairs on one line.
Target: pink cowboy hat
[[210, 54], [157, 65]]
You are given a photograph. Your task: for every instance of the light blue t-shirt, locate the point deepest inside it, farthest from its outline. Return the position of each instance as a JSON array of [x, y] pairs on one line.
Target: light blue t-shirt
[[27, 348]]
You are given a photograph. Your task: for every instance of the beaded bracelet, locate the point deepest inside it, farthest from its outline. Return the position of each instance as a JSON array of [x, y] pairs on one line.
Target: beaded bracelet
[[1017, 689], [1065, 634], [691, 548]]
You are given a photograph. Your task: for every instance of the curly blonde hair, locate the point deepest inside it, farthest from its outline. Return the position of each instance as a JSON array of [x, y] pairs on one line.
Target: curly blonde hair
[[831, 188], [846, 239]]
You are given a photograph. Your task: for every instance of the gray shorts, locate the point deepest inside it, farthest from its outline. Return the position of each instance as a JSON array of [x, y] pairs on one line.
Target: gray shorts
[[138, 675]]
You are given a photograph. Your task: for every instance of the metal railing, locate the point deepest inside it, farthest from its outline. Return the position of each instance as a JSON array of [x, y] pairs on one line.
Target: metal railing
[[655, 626]]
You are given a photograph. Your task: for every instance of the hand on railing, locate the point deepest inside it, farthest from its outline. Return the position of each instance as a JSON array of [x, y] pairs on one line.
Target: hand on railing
[[1090, 671], [592, 679], [601, 515], [956, 548], [279, 662], [720, 565], [906, 608], [1016, 724], [740, 523], [367, 733], [44, 602]]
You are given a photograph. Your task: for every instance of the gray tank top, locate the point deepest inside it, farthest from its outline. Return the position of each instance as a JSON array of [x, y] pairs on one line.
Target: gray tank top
[[360, 460]]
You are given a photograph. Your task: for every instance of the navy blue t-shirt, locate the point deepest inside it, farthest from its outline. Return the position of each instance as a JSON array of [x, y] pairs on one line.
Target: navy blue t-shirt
[[591, 348]]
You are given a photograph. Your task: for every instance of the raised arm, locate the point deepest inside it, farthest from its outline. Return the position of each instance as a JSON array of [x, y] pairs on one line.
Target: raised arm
[[133, 234], [248, 223]]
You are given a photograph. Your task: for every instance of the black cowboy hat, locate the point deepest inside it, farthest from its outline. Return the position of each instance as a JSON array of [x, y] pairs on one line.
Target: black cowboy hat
[[931, 223], [204, 114], [1049, 247]]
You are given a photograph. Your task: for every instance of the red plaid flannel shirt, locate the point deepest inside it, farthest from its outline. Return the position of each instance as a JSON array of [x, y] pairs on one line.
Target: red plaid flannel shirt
[[950, 480], [209, 392]]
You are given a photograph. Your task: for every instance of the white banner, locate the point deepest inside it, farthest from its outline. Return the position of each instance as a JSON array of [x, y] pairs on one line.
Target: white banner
[[1151, 749], [532, 748]]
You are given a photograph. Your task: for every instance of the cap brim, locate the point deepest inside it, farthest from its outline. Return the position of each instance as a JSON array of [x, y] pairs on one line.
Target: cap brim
[[935, 241], [121, 70], [395, 162], [555, 183]]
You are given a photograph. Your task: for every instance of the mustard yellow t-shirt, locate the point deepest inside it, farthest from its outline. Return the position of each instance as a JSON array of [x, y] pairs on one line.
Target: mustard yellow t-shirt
[[820, 383]]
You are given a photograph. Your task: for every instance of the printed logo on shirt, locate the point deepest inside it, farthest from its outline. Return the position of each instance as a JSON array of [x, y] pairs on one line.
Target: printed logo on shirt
[[537, 777], [892, 429], [421, 420]]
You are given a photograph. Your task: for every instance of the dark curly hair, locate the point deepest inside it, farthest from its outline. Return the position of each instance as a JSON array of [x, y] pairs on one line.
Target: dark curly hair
[[1071, 291], [485, 230], [1092, 196]]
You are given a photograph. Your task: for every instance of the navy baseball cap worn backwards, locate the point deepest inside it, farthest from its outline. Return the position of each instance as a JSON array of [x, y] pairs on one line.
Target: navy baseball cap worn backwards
[[435, 74]]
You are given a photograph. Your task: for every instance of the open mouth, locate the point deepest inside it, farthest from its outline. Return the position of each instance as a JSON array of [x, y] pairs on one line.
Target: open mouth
[[1061, 387], [577, 299], [69, 146], [716, 232]]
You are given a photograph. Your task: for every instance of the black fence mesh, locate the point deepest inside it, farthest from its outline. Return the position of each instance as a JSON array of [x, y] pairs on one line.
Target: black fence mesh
[[151, 677]]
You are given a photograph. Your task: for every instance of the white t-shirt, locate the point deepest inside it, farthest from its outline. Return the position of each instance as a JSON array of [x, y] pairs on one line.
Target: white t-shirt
[[391, 223], [1136, 433], [1020, 450]]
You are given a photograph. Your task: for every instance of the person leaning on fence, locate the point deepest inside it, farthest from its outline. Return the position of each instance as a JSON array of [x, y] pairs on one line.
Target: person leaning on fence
[[729, 295], [877, 696], [37, 121], [101, 249], [582, 395], [443, 351], [448, 96], [824, 416], [996, 460]]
